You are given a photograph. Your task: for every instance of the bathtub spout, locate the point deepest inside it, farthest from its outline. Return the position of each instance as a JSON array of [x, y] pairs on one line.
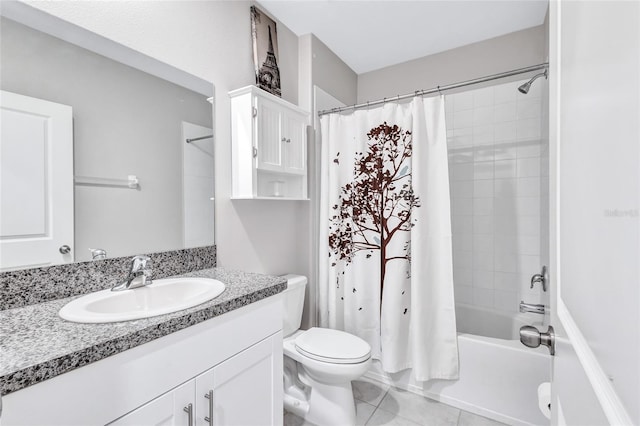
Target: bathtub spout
[[532, 307]]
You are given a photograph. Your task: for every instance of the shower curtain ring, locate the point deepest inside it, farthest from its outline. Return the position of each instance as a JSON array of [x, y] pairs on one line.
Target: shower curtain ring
[[439, 91], [398, 98], [417, 93]]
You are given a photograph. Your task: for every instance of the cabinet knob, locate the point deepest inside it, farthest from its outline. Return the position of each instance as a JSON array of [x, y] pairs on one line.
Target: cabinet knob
[[65, 249], [287, 140]]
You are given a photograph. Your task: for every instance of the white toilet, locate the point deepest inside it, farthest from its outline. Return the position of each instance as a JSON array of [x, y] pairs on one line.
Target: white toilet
[[319, 365]]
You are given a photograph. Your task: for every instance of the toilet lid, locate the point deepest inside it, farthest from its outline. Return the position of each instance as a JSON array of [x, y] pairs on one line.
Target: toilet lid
[[327, 345]]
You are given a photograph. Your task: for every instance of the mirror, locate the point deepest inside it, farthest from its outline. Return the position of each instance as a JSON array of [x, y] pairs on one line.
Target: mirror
[[138, 186]]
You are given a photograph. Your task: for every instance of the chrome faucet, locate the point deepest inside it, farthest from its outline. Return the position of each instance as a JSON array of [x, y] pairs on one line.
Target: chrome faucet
[[139, 274], [541, 278], [532, 307]]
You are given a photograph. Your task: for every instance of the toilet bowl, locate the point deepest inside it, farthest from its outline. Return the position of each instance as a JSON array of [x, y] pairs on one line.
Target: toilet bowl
[[319, 365]]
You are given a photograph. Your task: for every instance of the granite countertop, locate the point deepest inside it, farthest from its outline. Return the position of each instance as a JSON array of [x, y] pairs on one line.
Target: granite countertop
[[36, 344]]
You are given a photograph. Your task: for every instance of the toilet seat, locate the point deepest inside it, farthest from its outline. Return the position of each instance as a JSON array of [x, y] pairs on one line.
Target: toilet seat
[[332, 346]]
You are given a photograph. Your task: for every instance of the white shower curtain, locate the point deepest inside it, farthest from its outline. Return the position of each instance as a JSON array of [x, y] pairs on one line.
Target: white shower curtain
[[385, 232]]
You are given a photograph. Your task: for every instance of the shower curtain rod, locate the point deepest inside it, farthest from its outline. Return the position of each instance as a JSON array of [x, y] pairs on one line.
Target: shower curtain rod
[[438, 89]]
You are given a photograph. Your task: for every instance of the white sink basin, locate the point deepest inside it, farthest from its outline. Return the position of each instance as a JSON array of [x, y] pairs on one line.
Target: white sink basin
[[161, 297]]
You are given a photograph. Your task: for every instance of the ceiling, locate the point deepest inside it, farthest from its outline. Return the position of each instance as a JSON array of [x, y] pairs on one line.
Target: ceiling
[[372, 34]]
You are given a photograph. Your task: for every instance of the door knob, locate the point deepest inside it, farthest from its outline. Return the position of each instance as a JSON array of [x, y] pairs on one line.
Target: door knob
[[65, 249], [532, 337]]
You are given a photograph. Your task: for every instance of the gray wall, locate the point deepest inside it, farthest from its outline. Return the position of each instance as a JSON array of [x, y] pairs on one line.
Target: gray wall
[[125, 122], [319, 67], [511, 51], [331, 74]]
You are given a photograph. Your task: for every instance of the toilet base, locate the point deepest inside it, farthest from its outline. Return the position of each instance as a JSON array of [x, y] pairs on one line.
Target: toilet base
[[330, 405], [318, 403], [320, 392]]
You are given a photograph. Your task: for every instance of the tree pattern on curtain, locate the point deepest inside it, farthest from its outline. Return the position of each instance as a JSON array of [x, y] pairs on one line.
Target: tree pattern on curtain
[[376, 206]]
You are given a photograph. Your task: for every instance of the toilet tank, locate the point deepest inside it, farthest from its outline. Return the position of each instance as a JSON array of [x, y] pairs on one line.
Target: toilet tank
[[293, 303]]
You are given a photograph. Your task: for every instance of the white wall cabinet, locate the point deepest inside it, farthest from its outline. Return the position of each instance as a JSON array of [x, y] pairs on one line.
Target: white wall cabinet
[[236, 356], [269, 146]]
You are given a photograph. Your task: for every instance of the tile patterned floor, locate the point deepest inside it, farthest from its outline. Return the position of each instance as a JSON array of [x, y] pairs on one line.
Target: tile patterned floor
[[378, 404]]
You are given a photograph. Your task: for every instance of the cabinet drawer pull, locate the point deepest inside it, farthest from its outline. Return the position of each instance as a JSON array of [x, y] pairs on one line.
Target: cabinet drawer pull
[[209, 418], [189, 410]]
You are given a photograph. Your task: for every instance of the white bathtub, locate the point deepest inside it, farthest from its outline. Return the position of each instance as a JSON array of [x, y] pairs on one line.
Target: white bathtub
[[489, 323], [499, 377]]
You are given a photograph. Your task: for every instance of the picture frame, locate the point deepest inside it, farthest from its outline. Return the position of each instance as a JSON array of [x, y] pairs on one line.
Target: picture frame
[[265, 52]]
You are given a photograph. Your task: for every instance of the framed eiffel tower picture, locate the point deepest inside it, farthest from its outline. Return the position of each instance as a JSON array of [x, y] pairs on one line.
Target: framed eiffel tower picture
[[265, 51]]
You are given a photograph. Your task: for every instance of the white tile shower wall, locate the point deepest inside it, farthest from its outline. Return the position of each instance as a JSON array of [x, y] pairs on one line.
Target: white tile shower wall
[[499, 192]]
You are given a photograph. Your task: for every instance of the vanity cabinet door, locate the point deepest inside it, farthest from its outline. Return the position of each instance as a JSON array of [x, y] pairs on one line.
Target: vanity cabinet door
[[246, 387], [166, 410]]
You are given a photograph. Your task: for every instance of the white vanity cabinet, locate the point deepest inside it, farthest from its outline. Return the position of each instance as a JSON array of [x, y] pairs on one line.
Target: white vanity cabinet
[[236, 358], [239, 391], [167, 409], [269, 146]]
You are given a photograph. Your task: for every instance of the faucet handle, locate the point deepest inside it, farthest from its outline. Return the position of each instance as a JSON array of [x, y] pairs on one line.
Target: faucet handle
[[98, 253], [541, 278], [536, 278], [141, 271], [140, 263]]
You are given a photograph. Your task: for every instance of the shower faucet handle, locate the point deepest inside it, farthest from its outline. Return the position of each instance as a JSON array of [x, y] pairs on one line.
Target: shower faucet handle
[[541, 278]]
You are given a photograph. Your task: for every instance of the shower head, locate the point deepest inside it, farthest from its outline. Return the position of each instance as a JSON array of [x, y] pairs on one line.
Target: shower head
[[526, 86]]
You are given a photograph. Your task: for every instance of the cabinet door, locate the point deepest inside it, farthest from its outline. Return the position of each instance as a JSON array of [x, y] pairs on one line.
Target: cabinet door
[[166, 410], [294, 158], [268, 135], [244, 387]]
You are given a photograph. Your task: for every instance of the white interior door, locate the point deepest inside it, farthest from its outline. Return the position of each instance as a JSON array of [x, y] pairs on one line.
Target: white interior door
[[595, 187], [36, 182], [198, 186]]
